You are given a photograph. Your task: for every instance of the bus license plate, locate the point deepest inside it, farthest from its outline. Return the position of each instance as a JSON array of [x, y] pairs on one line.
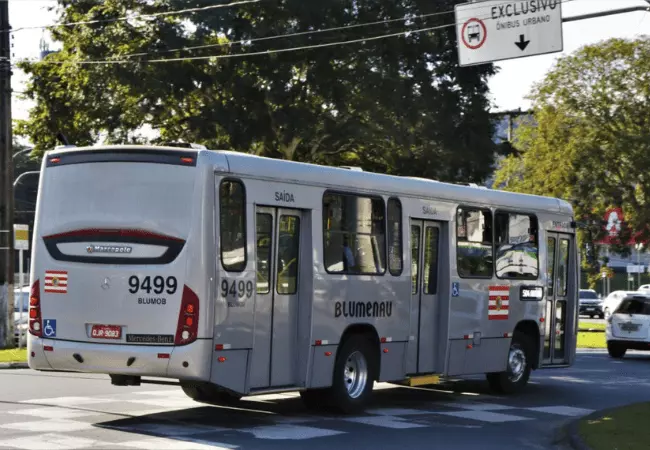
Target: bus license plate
[[106, 331]]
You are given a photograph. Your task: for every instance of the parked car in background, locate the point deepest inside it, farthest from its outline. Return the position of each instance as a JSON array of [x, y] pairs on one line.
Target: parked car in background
[[614, 298], [628, 327], [21, 295], [644, 287], [590, 304]]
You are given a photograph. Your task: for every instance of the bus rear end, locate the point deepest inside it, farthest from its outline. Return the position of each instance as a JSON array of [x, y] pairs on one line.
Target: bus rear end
[[113, 289]]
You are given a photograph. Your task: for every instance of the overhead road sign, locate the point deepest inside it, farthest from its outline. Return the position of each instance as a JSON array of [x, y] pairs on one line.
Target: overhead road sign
[[495, 30]]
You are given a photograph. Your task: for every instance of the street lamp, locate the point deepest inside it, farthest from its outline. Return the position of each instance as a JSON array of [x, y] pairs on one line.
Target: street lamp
[[20, 152], [24, 174]]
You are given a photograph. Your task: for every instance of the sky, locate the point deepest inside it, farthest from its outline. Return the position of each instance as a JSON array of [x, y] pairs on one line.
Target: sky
[[508, 88]]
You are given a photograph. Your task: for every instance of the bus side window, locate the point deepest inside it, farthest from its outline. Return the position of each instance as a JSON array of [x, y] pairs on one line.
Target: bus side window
[[516, 246], [232, 208], [394, 236], [354, 234], [474, 243]]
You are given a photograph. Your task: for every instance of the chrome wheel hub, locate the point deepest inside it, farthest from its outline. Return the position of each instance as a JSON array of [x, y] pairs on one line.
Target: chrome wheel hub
[[516, 364], [355, 374]]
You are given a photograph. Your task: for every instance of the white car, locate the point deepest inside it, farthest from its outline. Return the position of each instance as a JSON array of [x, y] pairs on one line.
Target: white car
[[21, 295], [614, 298], [628, 327]]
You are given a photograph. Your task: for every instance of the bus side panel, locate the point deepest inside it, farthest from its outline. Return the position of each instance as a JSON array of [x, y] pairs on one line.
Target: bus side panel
[[381, 302], [487, 336], [234, 316]]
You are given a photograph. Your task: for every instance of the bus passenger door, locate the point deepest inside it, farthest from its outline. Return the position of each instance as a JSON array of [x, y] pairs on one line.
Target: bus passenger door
[[425, 250], [559, 298], [278, 243]]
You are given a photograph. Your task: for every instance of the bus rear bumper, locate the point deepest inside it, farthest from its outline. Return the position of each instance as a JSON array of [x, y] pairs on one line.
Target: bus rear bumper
[[190, 362]]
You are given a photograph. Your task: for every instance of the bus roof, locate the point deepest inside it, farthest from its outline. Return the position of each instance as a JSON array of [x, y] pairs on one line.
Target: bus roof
[[337, 177]]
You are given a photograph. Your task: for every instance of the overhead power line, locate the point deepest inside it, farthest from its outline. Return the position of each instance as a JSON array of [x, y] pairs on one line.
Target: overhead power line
[[117, 59], [135, 16], [179, 12], [241, 55], [280, 36]]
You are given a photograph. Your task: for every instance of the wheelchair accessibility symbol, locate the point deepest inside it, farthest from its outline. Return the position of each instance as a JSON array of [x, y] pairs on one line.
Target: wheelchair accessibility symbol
[[455, 289], [49, 329]]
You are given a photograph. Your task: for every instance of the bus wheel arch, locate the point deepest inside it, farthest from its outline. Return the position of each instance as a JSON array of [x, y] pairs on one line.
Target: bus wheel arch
[[530, 329], [521, 359], [356, 369], [369, 332]]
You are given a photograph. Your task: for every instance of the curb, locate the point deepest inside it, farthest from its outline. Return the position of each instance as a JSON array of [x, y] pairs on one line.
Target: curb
[[575, 441], [14, 365]]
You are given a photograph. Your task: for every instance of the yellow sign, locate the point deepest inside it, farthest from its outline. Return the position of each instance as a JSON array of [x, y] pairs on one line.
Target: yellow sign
[[21, 237]]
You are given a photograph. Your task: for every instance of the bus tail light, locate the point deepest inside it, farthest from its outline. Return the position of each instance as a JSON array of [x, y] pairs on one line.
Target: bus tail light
[[35, 322], [188, 318]]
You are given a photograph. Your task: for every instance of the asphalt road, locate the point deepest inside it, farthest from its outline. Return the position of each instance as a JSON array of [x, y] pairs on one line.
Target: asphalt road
[[66, 411]]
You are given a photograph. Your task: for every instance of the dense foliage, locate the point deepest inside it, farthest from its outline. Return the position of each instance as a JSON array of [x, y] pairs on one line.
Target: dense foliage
[[589, 142], [398, 105]]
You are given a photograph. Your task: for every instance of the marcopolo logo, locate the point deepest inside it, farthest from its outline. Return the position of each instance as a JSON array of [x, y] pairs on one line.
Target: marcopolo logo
[[94, 248]]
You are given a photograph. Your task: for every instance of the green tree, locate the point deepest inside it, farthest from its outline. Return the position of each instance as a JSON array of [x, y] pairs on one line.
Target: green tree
[[399, 105], [589, 142]]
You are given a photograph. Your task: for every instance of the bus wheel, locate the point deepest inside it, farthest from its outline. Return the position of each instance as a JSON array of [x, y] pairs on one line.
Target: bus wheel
[[517, 373], [353, 375]]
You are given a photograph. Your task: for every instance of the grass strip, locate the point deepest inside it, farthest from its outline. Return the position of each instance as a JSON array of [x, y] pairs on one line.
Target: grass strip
[[623, 428]]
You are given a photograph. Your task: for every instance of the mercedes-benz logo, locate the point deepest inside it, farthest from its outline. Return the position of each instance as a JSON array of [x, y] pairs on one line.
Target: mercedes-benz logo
[[106, 284]]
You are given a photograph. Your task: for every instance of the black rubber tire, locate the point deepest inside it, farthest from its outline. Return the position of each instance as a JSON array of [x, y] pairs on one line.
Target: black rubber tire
[[616, 350], [500, 381], [338, 398], [207, 393]]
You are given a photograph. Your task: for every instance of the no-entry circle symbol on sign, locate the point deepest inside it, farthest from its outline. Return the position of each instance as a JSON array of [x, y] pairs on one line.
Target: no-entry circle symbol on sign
[[474, 33]]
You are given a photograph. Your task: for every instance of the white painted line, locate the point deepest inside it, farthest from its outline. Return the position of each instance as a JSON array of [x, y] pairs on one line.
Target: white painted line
[[485, 416], [71, 401], [385, 422], [54, 413], [52, 441], [289, 432], [562, 410], [174, 444], [54, 425], [479, 406]]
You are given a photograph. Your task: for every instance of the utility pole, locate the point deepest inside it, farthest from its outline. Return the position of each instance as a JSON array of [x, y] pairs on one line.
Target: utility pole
[[6, 183]]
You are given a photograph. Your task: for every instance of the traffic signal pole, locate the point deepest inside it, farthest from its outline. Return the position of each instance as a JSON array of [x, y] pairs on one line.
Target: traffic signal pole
[[6, 184]]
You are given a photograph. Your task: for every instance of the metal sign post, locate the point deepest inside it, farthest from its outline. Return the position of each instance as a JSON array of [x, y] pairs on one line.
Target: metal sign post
[[21, 243]]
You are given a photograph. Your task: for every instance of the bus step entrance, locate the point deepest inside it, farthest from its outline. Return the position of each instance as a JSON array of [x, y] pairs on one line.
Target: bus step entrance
[[422, 380]]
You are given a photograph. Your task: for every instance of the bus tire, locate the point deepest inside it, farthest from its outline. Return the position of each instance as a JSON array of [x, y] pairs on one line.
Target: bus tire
[[518, 368], [353, 377]]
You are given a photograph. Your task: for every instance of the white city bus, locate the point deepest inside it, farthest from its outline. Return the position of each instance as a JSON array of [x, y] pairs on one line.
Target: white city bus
[[238, 275]]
